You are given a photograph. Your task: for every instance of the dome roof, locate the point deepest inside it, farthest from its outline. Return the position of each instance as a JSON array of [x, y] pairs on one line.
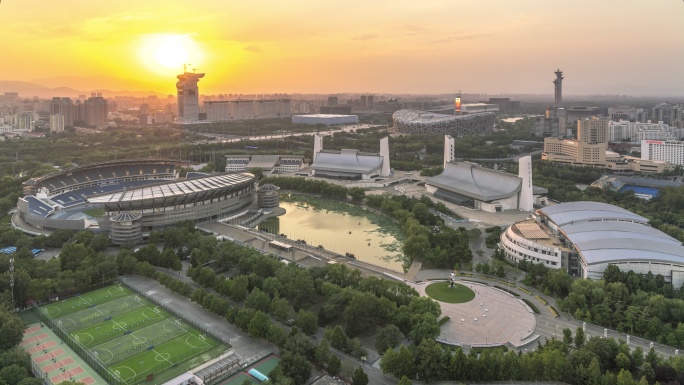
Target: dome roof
[[125, 216]]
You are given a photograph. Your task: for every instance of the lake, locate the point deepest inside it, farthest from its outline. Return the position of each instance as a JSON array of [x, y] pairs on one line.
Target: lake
[[339, 232]]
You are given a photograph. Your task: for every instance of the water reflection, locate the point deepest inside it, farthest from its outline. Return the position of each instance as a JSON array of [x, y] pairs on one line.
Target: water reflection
[[339, 232]]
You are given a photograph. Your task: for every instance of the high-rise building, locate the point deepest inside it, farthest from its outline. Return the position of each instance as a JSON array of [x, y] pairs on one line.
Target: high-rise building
[[95, 111], [593, 131], [188, 97], [56, 123], [64, 107], [449, 150]]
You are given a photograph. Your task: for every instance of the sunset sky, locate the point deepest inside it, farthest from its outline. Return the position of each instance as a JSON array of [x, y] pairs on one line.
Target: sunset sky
[[397, 46]]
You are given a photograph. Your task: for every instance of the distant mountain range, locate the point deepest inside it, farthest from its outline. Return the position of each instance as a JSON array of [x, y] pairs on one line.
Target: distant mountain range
[[47, 88]]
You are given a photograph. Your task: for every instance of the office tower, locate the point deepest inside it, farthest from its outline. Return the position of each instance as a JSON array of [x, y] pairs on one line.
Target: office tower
[[64, 107], [188, 97], [526, 189], [593, 131], [95, 109], [558, 89]]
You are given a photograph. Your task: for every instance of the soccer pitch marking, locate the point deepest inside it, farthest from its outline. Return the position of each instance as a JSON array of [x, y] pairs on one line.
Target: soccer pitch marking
[[78, 302]]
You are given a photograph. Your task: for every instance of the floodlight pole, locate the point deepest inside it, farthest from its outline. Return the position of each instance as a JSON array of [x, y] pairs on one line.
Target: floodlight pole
[[12, 281]]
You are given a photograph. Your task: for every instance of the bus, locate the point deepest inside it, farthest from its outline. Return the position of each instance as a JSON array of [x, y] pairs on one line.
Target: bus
[[280, 246]]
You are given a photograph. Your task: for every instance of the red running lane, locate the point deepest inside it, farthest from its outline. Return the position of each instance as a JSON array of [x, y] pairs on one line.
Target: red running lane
[[87, 381], [32, 329]]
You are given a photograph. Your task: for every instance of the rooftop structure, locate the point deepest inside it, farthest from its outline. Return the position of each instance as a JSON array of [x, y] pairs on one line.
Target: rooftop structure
[[188, 97]]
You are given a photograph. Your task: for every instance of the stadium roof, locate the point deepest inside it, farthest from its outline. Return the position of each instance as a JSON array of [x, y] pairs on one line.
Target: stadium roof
[[603, 233], [590, 231], [571, 212], [625, 249], [426, 117], [476, 182], [347, 161], [174, 193], [264, 162]]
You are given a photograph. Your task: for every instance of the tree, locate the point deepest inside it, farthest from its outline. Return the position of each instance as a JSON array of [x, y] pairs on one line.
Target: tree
[[334, 365], [279, 308], [579, 338], [13, 374], [388, 337], [11, 329], [259, 325], [307, 322], [322, 353], [405, 381], [360, 377], [567, 336], [424, 326], [296, 367]]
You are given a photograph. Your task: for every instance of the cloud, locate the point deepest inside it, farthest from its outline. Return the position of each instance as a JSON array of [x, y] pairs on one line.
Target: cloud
[[368, 36], [252, 48], [459, 38]]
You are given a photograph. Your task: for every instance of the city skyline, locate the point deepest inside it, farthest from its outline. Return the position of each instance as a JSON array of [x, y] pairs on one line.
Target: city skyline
[[406, 47]]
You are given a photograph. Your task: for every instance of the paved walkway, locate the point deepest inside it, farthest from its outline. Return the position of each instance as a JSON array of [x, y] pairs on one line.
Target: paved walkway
[[492, 318], [548, 326]]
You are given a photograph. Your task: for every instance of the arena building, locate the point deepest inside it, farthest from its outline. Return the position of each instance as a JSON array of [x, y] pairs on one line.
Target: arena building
[[423, 122], [269, 164], [586, 237], [127, 199], [350, 164], [471, 185]]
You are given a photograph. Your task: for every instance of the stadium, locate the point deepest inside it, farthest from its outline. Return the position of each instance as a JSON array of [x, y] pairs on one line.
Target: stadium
[[586, 237], [423, 122], [128, 198]]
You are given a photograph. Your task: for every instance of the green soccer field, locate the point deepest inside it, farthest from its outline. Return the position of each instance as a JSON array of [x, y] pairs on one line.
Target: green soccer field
[[130, 336]]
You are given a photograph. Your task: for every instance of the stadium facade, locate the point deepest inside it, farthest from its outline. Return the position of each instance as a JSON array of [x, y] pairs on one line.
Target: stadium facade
[[423, 122], [586, 237], [471, 185], [127, 199], [350, 164]]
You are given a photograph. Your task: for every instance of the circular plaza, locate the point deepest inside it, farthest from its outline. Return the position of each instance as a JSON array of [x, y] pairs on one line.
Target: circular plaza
[[492, 317]]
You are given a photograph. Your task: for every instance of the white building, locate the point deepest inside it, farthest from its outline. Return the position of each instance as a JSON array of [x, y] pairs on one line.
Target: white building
[[327, 119], [635, 132], [472, 108], [670, 151], [587, 237]]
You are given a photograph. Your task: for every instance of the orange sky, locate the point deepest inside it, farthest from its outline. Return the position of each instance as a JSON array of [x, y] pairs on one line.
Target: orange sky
[[399, 46]]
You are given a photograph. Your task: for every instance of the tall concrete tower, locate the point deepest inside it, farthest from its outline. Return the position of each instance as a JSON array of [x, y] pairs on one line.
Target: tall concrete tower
[[558, 89], [188, 97], [526, 202], [385, 154], [449, 149], [318, 146]]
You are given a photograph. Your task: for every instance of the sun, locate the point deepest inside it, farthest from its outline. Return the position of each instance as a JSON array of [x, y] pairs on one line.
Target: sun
[[164, 52]]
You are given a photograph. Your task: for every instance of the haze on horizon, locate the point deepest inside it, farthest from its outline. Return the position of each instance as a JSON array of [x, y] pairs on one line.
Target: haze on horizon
[[381, 46]]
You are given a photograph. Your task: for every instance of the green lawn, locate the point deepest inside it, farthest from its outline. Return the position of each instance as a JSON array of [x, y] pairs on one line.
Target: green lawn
[[162, 357], [75, 304], [115, 327], [140, 340], [443, 293]]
